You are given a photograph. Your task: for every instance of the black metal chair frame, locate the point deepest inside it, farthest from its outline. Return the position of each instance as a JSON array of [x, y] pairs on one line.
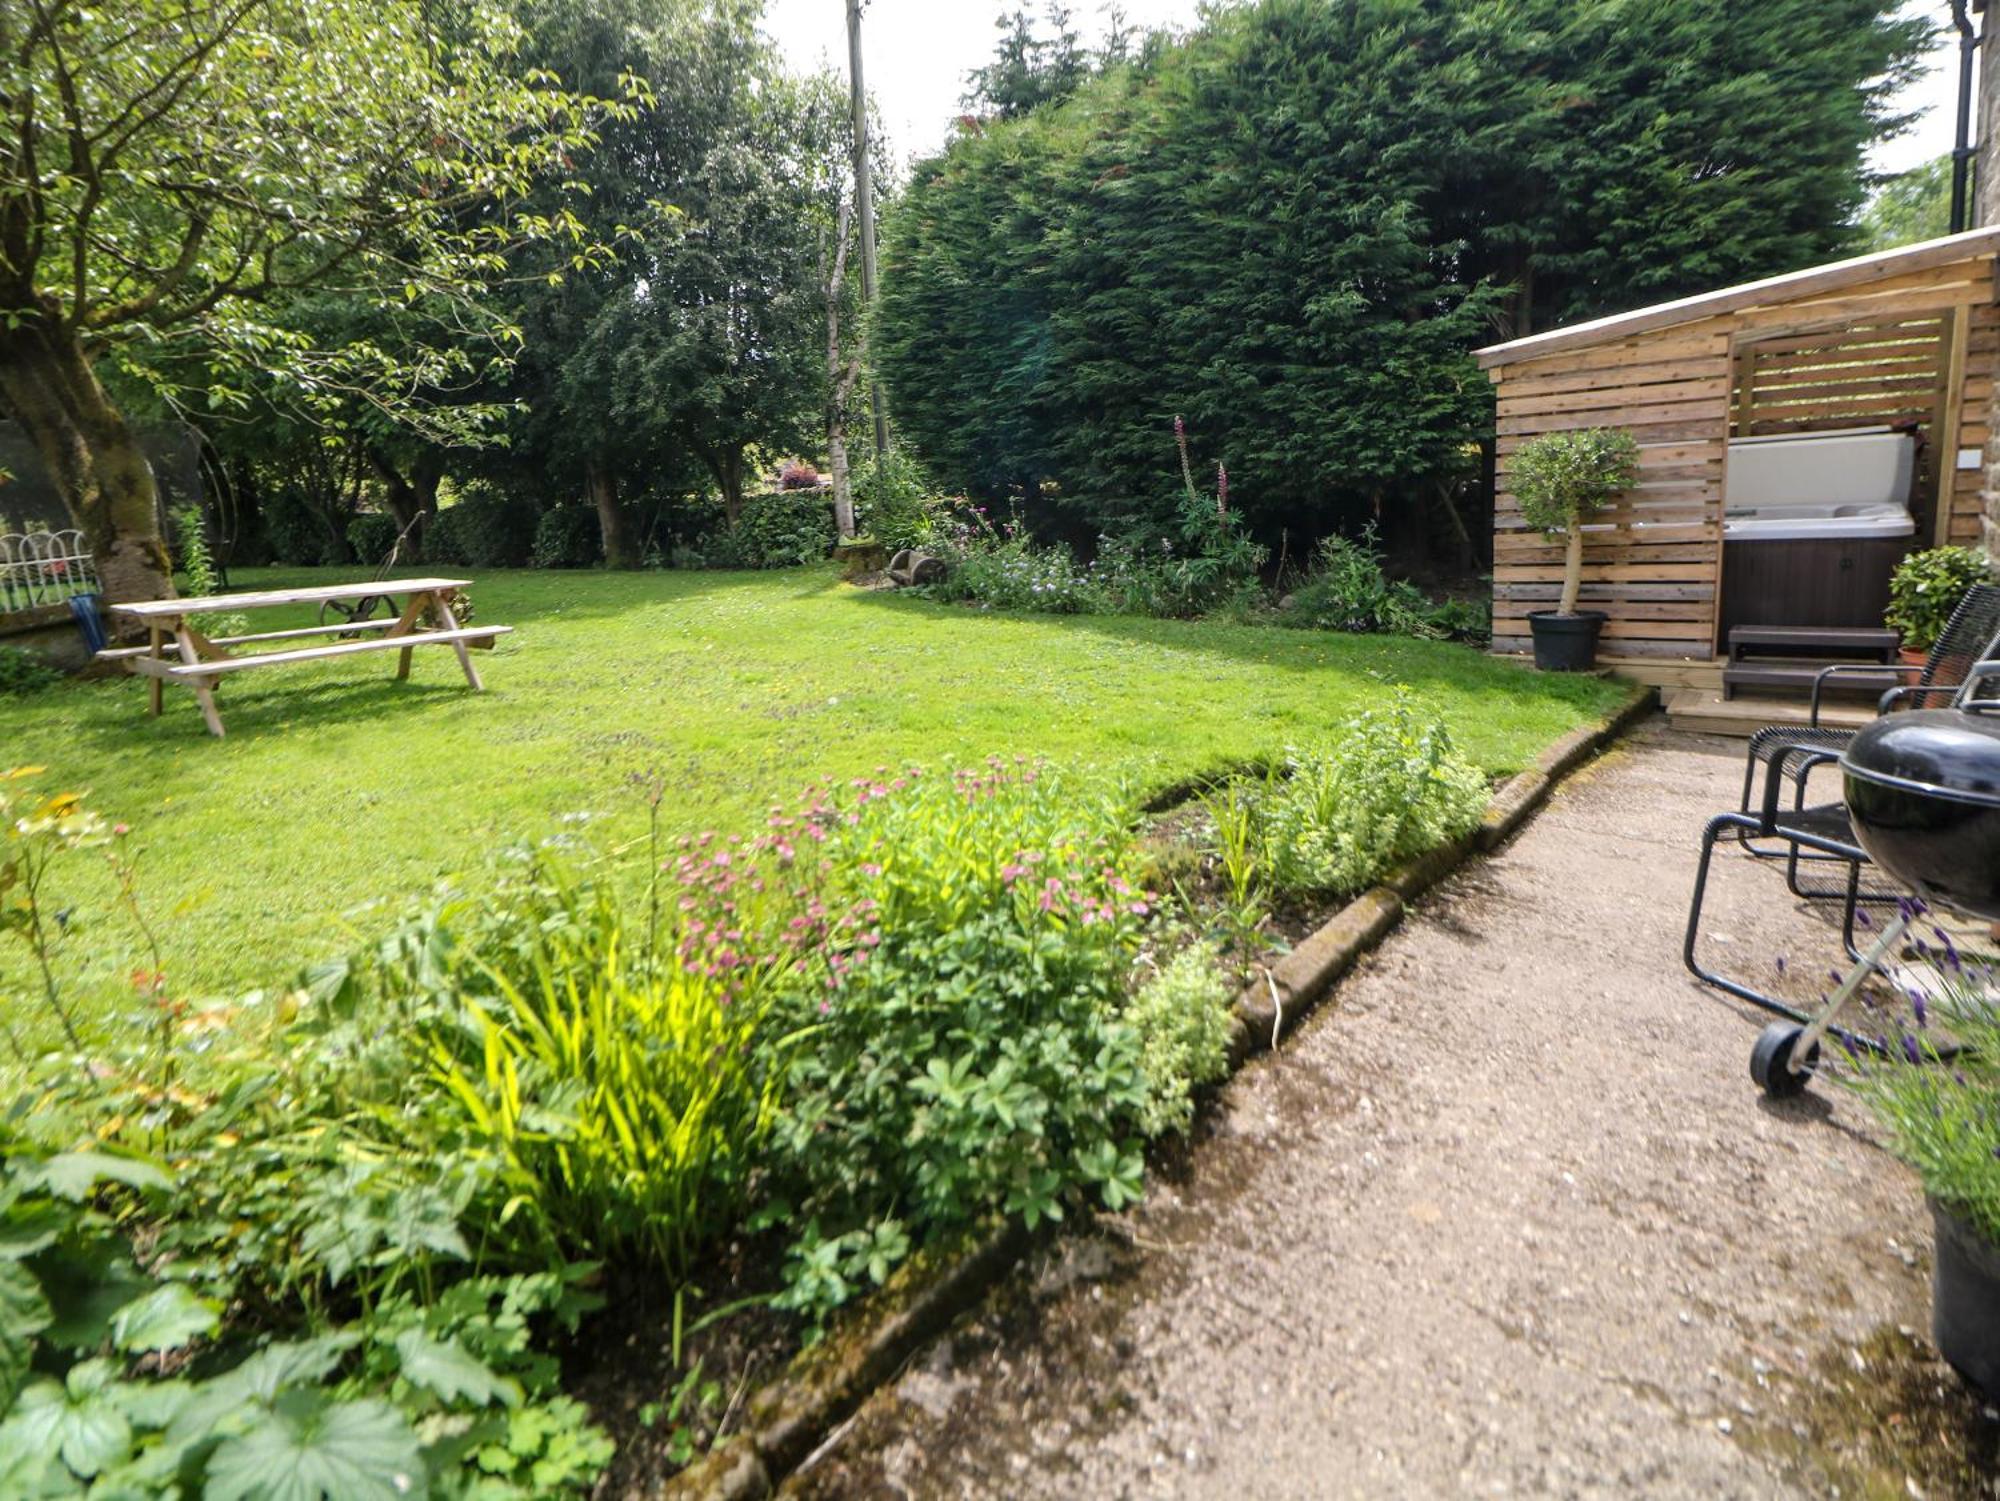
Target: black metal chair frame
[[1972, 633], [1812, 833]]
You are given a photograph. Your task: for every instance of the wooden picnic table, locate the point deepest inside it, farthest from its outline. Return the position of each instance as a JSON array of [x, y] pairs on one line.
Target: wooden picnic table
[[178, 652]]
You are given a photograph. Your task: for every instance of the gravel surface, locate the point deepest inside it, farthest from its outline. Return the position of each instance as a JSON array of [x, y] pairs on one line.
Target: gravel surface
[[1508, 1217]]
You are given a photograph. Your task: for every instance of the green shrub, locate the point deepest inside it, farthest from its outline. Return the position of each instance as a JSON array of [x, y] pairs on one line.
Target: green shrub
[[485, 529], [895, 503], [198, 567], [296, 536], [1928, 587], [774, 531], [568, 537], [1348, 591], [1389, 786], [1003, 568], [1182, 1014], [968, 1053], [372, 535], [23, 672]]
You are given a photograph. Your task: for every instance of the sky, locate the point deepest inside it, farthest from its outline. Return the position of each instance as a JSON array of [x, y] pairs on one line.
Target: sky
[[919, 51]]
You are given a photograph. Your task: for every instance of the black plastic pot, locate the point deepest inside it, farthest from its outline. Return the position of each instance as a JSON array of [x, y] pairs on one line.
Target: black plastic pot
[[1566, 643], [1965, 1300]]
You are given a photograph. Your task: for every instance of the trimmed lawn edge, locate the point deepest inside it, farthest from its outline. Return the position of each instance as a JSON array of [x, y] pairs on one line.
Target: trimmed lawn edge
[[800, 1409]]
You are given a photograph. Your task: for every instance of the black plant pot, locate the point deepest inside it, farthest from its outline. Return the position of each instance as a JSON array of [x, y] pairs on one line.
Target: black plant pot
[[1566, 643], [1965, 1300]]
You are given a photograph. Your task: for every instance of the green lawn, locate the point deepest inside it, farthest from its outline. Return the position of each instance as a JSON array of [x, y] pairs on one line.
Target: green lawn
[[341, 793]]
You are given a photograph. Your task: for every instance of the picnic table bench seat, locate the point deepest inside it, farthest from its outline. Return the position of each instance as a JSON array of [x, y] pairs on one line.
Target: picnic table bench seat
[[177, 650]]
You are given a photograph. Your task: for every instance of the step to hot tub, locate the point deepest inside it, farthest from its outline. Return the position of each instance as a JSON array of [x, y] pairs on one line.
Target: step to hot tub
[[1774, 658]]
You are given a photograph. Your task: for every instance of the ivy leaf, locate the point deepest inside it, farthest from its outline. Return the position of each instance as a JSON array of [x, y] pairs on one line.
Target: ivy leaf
[[24, 1313], [78, 1420], [443, 1368], [164, 1319], [312, 1450]]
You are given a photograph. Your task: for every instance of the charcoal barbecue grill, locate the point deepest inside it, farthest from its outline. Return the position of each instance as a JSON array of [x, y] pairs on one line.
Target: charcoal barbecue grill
[[1923, 796]]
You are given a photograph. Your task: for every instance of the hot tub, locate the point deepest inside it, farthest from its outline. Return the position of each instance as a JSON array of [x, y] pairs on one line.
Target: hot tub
[[1813, 526]]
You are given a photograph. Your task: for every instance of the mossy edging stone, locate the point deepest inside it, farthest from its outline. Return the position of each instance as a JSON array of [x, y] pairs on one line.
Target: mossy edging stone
[[825, 1385]]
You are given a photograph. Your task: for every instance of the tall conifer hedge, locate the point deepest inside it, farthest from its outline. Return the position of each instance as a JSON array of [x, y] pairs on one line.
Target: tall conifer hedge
[[1293, 228]]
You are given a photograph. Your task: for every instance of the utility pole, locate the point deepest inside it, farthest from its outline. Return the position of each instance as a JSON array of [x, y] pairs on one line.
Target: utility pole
[[864, 208]]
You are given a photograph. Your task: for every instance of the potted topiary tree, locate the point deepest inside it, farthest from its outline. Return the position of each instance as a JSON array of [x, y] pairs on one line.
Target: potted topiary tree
[[1941, 1110], [1561, 480], [1926, 589]]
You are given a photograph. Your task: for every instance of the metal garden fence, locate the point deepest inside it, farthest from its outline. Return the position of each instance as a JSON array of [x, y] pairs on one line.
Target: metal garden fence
[[44, 568]]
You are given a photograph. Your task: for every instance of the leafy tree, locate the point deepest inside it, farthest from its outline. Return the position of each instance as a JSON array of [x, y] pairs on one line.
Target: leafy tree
[[1030, 69], [703, 339], [171, 170], [1911, 206]]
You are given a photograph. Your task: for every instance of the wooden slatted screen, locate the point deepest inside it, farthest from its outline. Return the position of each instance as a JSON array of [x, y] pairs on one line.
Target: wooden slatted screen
[[1838, 356]]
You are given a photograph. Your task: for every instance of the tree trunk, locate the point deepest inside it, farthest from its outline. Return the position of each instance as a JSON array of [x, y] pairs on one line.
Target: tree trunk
[[91, 456], [840, 390], [727, 467], [413, 500], [602, 484], [1572, 570]]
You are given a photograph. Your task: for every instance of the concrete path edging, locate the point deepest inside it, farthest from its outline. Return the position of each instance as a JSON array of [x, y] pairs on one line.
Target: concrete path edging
[[825, 1385]]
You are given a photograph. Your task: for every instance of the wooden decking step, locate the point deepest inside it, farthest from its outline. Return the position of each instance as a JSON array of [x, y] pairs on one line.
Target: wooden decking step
[[1799, 677], [1706, 712], [1837, 642]]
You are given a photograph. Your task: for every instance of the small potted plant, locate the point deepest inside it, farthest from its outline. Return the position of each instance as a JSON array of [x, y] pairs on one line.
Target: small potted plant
[[1926, 588], [1941, 1110], [1561, 481]]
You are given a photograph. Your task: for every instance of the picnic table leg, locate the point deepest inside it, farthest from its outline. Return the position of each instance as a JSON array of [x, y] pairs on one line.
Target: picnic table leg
[[204, 690], [442, 603], [412, 612], [155, 687]]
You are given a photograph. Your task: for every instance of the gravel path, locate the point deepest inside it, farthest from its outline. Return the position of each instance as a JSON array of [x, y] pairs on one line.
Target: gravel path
[[1507, 1217]]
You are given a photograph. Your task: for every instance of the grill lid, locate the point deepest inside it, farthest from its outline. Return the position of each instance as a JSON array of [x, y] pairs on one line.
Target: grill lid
[[1947, 753]]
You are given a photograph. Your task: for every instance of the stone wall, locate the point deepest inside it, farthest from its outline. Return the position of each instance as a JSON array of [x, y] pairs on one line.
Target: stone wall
[[49, 631]]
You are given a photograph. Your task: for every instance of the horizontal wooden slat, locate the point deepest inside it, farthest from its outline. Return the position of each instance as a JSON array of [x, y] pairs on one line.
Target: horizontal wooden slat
[[1702, 340], [1646, 398], [1638, 373], [1651, 573], [1843, 346], [1845, 309], [1851, 382], [1661, 423], [1658, 593], [1687, 612], [1682, 650]]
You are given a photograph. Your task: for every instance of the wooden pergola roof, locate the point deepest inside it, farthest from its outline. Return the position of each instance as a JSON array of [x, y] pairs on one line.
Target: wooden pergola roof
[[1836, 277]]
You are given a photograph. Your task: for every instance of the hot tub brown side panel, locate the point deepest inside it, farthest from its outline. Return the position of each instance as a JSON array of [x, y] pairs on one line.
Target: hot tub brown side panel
[[1832, 581]]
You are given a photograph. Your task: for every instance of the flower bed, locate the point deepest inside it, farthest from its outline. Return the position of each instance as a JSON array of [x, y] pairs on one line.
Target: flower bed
[[361, 1233]]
